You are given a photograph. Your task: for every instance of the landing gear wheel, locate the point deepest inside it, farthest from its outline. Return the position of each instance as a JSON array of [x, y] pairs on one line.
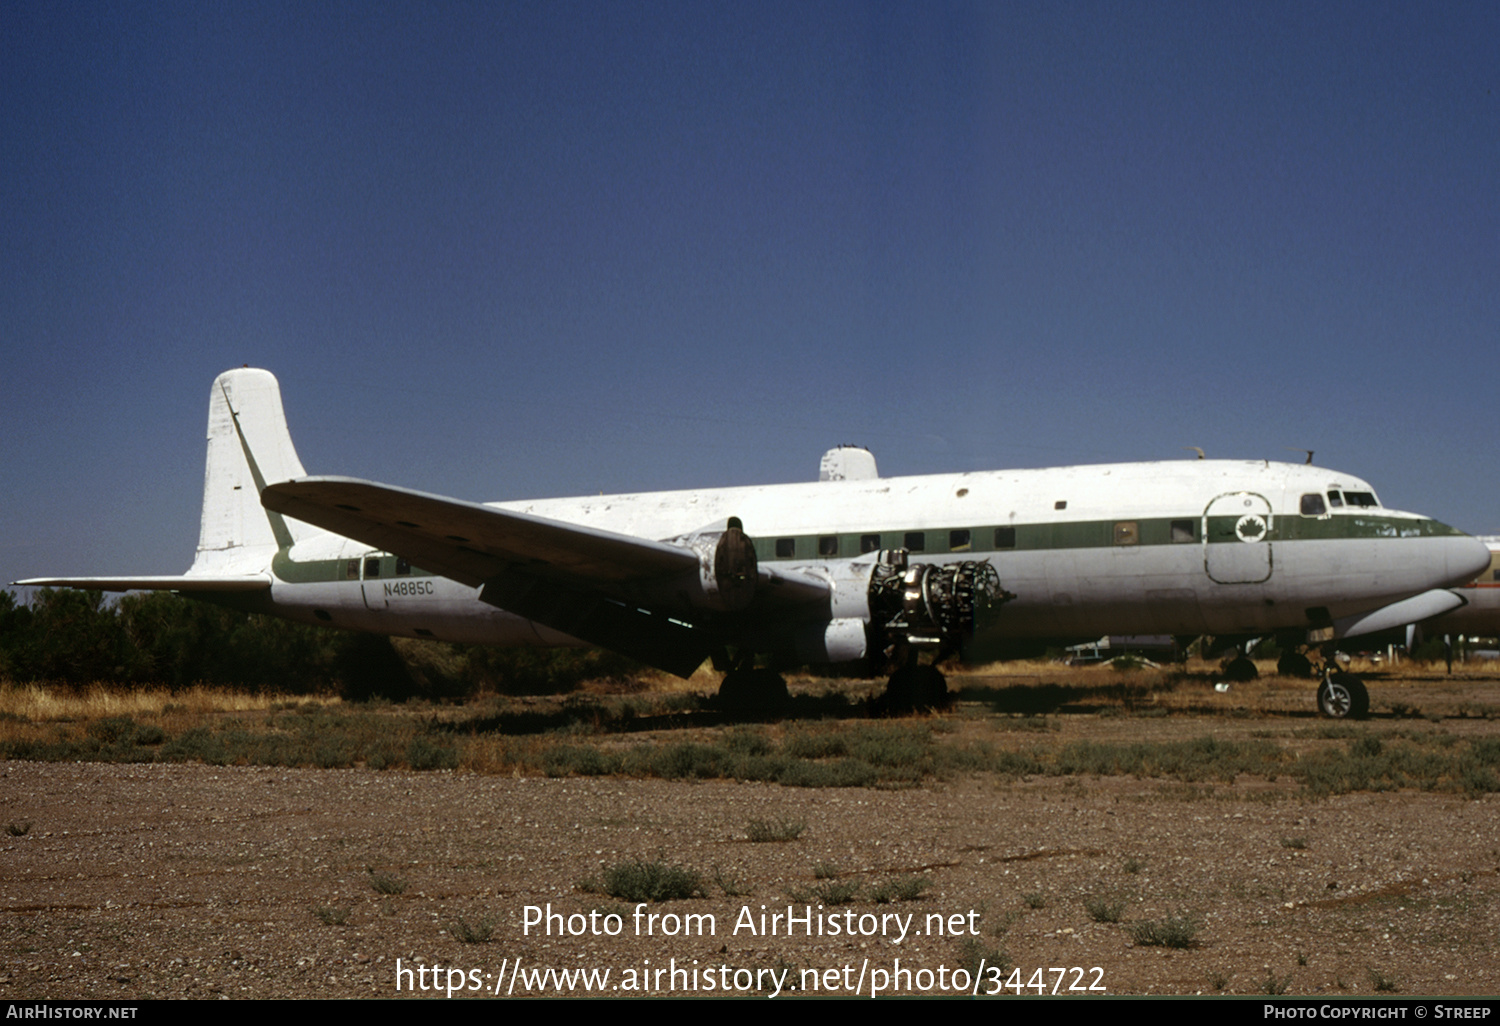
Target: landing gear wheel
[[753, 691], [1239, 669], [913, 688], [1294, 664], [1343, 697]]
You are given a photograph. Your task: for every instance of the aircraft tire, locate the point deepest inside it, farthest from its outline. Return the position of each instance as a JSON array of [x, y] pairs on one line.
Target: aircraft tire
[[915, 688], [1343, 697], [1239, 670], [753, 691], [1294, 664]]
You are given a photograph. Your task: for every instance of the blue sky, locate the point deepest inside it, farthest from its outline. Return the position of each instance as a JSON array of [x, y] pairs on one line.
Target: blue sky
[[514, 250]]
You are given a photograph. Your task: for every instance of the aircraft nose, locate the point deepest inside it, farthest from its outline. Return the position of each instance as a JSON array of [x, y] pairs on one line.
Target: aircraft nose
[[1467, 558]]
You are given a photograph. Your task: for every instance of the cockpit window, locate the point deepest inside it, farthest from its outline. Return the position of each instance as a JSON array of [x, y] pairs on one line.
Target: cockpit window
[[1312, 505], [1335, 499], [1365, 500]]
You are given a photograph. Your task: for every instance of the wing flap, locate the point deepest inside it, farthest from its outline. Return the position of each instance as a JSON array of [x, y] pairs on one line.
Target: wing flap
[[651, 638]]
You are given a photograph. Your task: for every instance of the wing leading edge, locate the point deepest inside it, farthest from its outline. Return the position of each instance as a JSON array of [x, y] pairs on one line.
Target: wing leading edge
[[621, 592]]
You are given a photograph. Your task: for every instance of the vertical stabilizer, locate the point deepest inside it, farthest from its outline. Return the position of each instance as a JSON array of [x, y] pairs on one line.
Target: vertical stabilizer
[[249, 447]]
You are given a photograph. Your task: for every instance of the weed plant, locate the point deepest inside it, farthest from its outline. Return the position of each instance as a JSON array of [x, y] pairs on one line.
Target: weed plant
[[1276, 985], [837, 892], [905, 888], [733, 885], [978, 957], [1173, 932], [763, 831], [478, 932], [1104, 910], [332, 915], [383, 883], [646, 881]]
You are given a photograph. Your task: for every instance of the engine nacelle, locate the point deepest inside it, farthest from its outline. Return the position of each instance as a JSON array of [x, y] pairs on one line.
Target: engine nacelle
[[924, 604], [933, 603], [837, 641]]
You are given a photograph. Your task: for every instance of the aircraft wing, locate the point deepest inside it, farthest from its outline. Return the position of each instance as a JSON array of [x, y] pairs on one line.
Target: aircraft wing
[[599, 586], [467, 541], [242, 582]]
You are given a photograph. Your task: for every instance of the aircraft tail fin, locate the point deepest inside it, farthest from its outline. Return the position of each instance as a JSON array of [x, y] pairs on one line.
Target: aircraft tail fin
[[249, 447]]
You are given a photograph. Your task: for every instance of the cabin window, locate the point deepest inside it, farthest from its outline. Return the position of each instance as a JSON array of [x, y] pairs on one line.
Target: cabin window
[[351, 570], [869, 542], [372, 567], [958, 541], [1060, 504], [1182, 531], [1366, 500], [403, 568], [1127, 532], [786, 548], [1005, 537], [916, 541], [1312, 505], [1335, 500], [828, 545]]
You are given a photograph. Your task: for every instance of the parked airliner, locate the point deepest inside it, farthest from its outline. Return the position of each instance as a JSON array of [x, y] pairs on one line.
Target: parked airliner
[[851, 567]]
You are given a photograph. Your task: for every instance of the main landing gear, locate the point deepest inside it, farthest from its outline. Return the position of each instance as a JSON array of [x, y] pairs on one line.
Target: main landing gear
[[915, 688], [1294, 664], [746, 689]]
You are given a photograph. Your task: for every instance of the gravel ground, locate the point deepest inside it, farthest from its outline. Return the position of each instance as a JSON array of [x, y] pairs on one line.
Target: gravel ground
[[166, 881]]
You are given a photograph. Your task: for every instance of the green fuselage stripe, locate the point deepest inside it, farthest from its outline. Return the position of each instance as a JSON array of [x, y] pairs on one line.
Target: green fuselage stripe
[[1085, 534], [1090, 534]]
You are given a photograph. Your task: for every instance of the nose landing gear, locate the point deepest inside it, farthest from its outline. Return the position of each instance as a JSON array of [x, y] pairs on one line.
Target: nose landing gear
[[1342, 696]]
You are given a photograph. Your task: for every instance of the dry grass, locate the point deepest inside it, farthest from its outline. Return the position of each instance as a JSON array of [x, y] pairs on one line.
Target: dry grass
[[38, 704], [1264, 728]]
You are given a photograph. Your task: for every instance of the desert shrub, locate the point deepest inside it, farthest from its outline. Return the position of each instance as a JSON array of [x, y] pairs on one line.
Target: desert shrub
[[762, 831], [647, 881], [478, 932], [906, 888], [1172, 932], [1104, 910]]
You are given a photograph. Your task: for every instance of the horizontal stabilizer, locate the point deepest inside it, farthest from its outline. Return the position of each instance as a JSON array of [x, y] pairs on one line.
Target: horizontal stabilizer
[[243, 582]]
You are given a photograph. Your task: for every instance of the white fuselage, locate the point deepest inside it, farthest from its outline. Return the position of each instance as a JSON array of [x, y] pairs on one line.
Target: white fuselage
[[1182, 547]]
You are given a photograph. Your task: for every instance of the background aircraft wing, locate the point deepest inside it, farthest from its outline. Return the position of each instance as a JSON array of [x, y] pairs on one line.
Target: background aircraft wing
[[605, 588], [242, 582]]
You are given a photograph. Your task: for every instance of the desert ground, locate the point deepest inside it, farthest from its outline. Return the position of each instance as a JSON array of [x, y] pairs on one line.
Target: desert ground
[[149, 880]]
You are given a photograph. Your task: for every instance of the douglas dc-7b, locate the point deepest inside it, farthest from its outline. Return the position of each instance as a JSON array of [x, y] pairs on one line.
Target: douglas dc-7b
[[848, 568]]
